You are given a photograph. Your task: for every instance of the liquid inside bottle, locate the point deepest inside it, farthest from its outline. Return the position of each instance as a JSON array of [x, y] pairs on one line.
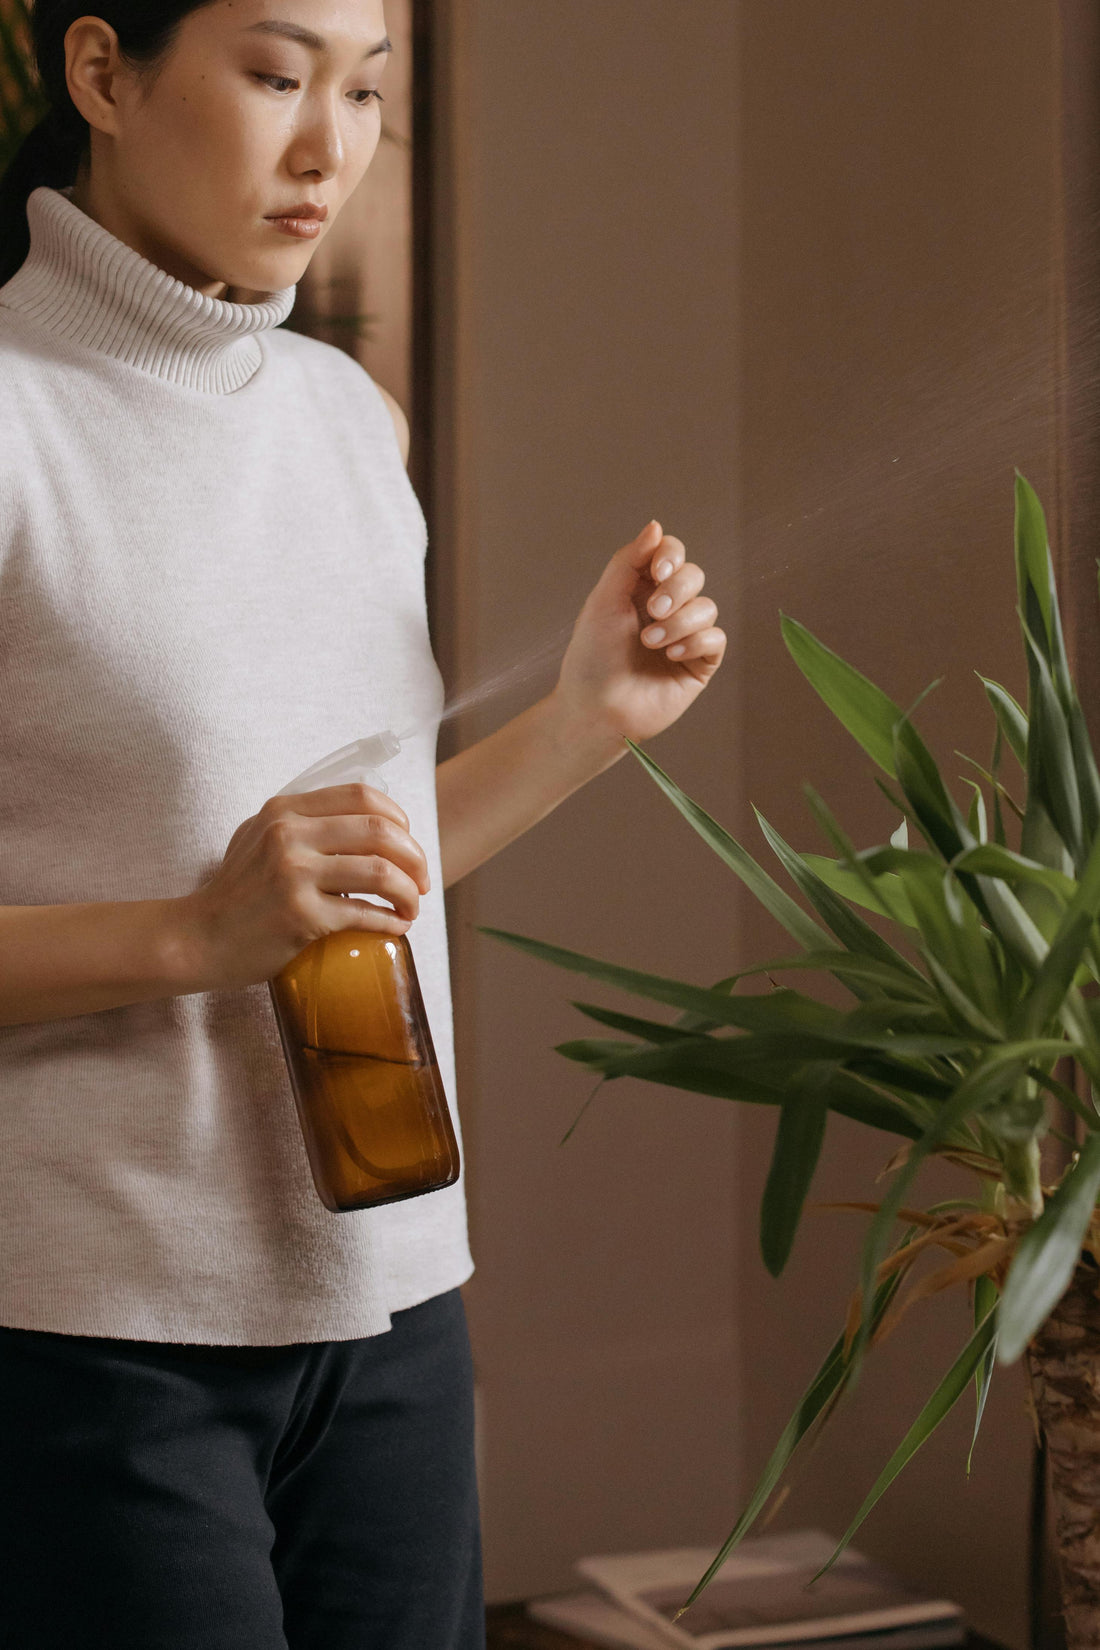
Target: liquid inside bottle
[[366, 1083]]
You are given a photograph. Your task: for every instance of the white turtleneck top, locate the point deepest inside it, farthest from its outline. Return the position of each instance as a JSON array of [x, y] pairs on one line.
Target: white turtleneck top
[[211, 573]]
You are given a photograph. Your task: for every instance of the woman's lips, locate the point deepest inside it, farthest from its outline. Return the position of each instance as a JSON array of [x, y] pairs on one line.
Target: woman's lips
[[307, 229], [303, 219]]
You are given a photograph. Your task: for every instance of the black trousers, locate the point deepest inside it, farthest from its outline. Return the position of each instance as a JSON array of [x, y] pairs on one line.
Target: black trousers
[[317, 1496]]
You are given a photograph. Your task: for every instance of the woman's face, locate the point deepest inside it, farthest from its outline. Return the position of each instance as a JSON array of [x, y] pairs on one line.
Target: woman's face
[[259, 106]]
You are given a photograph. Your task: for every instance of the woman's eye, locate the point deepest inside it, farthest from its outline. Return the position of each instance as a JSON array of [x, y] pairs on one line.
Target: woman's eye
[[287, 83]]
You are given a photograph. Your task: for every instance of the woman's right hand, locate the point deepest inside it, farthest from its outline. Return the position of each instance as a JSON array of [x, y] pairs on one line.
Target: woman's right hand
[[280, 883]]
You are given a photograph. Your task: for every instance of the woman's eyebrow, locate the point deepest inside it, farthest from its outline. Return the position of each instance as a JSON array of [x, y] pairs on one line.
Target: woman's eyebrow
[[306, 37]]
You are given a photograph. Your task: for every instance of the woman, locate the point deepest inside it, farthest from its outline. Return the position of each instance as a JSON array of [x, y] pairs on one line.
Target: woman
[[229, 1417]]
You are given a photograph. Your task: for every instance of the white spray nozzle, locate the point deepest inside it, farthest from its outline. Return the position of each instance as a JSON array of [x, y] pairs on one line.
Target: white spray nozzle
[[351, 764]]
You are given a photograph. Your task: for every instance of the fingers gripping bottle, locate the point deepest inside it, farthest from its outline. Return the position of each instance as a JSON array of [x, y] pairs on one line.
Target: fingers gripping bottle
[[355, 1035]]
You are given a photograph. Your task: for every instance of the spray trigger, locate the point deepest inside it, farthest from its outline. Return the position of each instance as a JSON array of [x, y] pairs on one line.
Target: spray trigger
[[356, 763]]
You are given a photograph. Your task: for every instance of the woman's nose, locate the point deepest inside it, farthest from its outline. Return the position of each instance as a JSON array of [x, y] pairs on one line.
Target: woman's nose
[[319, 147]]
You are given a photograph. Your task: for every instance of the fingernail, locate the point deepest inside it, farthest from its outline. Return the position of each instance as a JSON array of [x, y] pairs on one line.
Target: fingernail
[[663, 569], [675, 652], [661, 606], [655, 634]]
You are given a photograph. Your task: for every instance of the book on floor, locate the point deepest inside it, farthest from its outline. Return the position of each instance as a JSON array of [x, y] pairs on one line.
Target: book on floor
[[760, 1597], [597, 1619], [594, 1617]]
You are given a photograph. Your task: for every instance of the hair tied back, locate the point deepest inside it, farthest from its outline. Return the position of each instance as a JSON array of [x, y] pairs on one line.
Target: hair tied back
[[51, 153]]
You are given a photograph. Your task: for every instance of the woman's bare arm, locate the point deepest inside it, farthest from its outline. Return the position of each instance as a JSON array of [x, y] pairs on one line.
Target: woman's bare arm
[[279, 887], [57, 960], [493, 791]]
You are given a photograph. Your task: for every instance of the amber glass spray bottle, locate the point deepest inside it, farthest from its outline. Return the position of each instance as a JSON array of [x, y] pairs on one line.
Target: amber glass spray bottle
[[358, 1047]]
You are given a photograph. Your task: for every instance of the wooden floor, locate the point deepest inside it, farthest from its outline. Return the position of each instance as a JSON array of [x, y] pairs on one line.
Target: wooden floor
[[508, 1628]]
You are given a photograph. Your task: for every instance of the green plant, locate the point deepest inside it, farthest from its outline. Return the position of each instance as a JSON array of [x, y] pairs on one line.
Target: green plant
[[968, 956]]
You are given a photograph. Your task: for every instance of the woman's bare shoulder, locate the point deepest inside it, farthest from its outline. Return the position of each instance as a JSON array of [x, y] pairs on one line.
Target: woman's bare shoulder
[[400, 422]]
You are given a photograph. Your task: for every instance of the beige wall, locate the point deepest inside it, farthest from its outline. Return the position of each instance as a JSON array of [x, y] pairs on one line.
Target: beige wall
[[780, 273], [898, 331], [594, 317]]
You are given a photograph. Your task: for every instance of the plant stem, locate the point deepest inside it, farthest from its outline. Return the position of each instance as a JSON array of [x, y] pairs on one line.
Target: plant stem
[[1021, 1165]]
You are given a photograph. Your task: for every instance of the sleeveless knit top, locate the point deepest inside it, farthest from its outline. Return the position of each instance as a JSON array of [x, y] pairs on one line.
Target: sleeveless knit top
[[211, 574]]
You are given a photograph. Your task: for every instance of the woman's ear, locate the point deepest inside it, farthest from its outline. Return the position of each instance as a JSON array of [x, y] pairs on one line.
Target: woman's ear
[[92, 65]]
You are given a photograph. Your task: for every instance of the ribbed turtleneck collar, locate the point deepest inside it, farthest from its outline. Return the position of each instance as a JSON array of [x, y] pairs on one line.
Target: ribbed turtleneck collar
[[86, 285]]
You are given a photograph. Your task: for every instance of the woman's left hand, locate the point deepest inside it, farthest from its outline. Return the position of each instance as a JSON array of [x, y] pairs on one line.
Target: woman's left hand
[[645, 644]]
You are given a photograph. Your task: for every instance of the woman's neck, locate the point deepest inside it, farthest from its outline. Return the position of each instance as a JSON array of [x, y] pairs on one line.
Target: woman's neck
[[104, 205]]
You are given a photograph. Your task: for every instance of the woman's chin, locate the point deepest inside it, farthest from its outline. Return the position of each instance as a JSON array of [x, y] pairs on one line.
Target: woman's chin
[[266, 261], [252, 279]]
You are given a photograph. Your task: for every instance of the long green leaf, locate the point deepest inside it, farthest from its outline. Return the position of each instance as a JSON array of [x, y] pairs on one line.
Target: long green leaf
[[923, 788], [965, 1007], [798, 1139], [1055, 641], [1069, 1098], [1007, 917], [1011, 718], [772, 897], [985, 1299], [701, 1022], [1000, 836], [705, 1066], [1012, 924], [851, 930], [900, 1020], [864, 709], [961, 925], [1055, 976], [995, 861], [809, 1029], [895, 983], [850, 857], [654, 1031], [1034, 886], [1084, 761], [1040, 840], [784, 1048], [827, 1385], [781, 1011], [1043, 1265], [1034, 577], [1052, 772], [952, 931], [889, 898], [976, 820], [942, 1401]]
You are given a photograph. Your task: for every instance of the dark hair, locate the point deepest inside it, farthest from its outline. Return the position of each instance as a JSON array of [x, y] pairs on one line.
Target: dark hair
[[52, 151]]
